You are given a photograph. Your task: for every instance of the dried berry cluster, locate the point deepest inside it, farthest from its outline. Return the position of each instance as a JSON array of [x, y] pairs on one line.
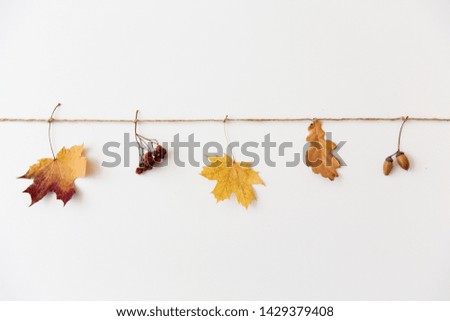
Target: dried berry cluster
[[150, 159]]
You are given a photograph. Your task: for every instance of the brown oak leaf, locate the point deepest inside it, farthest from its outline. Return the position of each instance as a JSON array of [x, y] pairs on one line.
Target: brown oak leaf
[[319, 155]]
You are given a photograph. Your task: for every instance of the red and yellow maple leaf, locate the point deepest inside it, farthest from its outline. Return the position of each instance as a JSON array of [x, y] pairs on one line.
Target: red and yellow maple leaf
[[56, 175]]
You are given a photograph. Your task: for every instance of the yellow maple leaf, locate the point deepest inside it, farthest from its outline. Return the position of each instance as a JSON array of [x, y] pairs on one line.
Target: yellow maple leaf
[[232, 177], [319, 155], [56, 175]]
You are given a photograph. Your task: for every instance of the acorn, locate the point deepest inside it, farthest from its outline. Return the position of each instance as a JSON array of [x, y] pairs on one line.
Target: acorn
[[387, 166], [402, 160]]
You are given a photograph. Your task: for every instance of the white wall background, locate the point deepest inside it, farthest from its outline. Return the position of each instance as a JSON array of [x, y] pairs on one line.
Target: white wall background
[[162, 235]]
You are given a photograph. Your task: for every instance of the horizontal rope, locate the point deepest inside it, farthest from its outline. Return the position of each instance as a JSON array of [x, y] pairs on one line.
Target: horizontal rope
[[197, 120]]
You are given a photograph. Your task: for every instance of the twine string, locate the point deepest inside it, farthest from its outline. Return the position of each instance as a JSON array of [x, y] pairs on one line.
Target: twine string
[[206, 120]]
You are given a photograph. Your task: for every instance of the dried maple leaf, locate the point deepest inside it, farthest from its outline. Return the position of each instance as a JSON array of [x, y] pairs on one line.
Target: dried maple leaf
[[56, 175], [319, 155], [232, 177]]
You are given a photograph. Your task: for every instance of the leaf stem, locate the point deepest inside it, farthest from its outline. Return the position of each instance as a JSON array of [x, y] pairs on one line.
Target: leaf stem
[[50, 121], [226, 135]]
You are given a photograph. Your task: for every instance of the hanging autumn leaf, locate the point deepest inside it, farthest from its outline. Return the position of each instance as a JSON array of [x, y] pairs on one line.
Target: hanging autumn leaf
[[56, 175], [319, 155], [232, 177]]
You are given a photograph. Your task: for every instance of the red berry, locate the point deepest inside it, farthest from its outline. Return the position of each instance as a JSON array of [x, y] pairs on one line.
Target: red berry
[[148, 159], [160, 151], [139, 170]]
